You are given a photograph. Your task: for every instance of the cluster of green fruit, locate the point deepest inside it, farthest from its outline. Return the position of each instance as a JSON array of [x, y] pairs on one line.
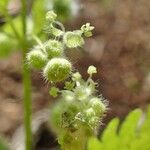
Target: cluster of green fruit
[[79, 110], [50, 57]]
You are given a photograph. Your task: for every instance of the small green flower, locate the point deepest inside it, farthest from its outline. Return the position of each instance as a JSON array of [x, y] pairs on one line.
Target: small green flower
[[54, 91], [57, 69], [73, 39], [87, 30]]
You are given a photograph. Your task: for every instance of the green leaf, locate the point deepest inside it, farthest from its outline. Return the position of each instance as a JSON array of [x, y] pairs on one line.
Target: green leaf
[[143, 137], [7, 45], [18, 25], [130, 124], [94, 144], [128, 129], [131, 136], [111, 133]]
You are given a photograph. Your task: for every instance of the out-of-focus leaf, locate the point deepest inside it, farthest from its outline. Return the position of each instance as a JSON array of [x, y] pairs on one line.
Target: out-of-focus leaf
[[18, 25], [38, 15], [143, 138], [3, 145], [62, 8], [94, 144], [3, 6], [128, 129], [111, 133], [7, 45], [131, 136]]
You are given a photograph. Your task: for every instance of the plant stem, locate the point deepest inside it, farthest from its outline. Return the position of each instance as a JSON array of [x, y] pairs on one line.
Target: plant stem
[[27, 106], [77, 142], [26, 83]]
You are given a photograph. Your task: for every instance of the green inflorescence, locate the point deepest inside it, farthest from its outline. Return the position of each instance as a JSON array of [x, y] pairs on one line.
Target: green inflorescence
[[50, 55], [79, 109]]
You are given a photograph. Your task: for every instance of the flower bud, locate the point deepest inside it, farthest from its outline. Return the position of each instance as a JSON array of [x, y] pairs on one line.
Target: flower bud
[[54, 91], [73, 39], [54, 48], [76, 76], [37, 59], [91, 70], [57, 69], [51, 16]]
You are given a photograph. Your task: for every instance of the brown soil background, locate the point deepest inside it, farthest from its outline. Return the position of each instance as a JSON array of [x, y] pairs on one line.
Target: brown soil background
[[120, 49]]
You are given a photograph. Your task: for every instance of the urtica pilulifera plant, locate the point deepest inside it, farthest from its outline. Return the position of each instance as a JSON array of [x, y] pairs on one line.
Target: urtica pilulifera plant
[[78, 112]]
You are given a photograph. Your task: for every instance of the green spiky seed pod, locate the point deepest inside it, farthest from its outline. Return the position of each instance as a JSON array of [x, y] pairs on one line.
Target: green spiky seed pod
[[97, 105], [57, 69], [73, 39], [54, 48], [37, 59], [89, 113]]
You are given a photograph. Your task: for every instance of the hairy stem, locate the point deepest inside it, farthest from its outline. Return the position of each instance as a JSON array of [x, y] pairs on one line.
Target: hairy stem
[[26, 83]]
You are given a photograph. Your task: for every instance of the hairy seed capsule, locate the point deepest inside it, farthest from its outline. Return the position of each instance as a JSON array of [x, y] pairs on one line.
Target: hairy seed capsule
[[97, 105], [57, 69], [37, 59], [54, 48], [73, 39], [89, 113]]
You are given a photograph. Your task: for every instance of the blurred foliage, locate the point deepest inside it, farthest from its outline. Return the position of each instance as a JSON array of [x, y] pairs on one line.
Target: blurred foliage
[[7, 45], [62, 8], [3, 144], [107, 4], [38, 14], [3, 6], [133, 134], [35, 22]]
